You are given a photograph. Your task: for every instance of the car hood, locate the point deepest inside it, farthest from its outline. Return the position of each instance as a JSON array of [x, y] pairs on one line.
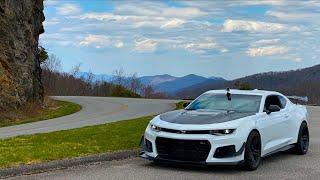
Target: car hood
[[199, 117]]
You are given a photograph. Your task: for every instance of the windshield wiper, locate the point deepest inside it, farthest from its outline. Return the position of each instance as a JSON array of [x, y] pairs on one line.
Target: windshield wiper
[[190, 109], [193, 109]]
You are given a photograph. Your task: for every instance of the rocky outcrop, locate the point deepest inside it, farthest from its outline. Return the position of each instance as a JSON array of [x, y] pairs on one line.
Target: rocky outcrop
[[20, 72]]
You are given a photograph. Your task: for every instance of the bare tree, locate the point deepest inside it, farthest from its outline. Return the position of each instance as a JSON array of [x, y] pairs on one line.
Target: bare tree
[[119, 77], [64, 84], [134, 83], [148, 91], [76, 70], [90, 77], [52, 64], [90, 81]]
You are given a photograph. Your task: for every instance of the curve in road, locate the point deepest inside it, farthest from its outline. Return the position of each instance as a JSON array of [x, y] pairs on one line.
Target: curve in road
[[278, 166], [95, 110]]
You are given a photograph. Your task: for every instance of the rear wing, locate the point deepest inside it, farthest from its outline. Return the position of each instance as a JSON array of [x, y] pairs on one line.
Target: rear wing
[[299, 99]]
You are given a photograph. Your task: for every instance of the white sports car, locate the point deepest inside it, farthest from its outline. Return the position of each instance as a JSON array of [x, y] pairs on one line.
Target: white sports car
[[228, 127]]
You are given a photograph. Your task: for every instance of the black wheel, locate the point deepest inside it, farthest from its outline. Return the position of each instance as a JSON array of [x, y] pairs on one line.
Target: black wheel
[[252, 154], [302, 145]]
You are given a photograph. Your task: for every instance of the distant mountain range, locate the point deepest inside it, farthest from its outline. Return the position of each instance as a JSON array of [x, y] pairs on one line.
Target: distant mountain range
[[161, 83], [170, 84], [302, 82], [96, 77], [157, 79]]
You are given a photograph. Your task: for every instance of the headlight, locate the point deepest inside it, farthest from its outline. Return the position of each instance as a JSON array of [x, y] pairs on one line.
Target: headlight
[[222, 132], [155, 128]]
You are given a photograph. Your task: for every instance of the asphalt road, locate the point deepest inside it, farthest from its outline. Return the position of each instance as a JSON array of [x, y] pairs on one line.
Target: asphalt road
[[96, 110], [279, 166]]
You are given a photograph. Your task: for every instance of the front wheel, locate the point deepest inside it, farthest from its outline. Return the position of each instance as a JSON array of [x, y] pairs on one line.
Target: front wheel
[[302, 145], [252, 154]]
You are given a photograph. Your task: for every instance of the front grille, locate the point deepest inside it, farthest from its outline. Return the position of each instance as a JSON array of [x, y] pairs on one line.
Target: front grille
[[185, 132], [183, 150]]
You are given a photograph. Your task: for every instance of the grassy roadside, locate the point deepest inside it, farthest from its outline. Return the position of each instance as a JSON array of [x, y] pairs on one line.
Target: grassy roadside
[[122, 135], [180, 104], [111, 137], [60, 108]]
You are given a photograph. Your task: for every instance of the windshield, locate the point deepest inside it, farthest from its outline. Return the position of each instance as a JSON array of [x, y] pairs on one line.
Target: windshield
[[220, 102]]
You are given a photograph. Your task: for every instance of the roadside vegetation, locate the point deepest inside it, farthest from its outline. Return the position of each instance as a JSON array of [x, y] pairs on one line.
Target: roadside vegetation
[[180, 105], [301, 82], [77, 83], [111, 137], [33, 112]]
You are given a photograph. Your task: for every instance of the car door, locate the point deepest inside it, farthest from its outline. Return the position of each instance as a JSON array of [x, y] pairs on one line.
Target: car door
[[274, 127], [288, 114]]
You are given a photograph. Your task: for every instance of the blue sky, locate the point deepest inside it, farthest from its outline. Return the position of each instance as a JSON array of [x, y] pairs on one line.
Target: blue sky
[[230, 39]]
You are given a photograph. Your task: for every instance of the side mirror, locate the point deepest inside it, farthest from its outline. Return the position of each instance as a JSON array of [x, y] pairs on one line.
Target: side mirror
[[185, 104], [273, 108]]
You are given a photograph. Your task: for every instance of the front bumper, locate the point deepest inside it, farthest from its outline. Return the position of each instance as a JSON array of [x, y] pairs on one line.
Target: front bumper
[[217, 143]]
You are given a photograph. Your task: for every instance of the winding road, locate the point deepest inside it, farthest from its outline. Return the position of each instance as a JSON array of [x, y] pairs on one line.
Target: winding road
[[279, 166], [95, 110]]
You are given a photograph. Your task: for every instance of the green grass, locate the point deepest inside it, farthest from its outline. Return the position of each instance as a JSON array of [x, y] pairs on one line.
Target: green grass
[[122, 135], [111, 137], [62, 108], [180, 104]]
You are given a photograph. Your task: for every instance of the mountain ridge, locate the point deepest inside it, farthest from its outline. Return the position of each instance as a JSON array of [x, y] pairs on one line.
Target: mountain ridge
[[301, 82], [161, 83], [172, 84]]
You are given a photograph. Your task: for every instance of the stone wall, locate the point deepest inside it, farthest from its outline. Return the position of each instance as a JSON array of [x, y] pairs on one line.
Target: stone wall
[[20, 72]]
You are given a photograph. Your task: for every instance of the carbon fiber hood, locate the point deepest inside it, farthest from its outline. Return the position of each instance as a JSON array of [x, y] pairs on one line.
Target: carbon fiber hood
[[201, 117]]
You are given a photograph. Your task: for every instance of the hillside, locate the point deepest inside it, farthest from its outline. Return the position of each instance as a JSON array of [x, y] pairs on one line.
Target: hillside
[[157, 79], [297, 82], [170, 84], [164, 83], [179, 83], [21, 24], [64, 84]]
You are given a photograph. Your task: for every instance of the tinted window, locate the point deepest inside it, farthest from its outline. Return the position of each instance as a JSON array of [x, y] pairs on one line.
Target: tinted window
[[220, 102], [283, 102], [272, 100]]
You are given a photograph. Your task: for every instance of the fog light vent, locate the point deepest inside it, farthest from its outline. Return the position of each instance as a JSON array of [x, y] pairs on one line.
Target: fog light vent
[[147, 145], [225, 151]]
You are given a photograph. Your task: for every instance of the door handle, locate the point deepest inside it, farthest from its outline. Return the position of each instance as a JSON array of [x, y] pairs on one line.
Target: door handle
[[286, 116]]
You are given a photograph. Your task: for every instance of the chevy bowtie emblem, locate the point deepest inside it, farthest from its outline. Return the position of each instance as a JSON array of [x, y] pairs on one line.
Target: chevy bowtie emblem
[[182, 132]]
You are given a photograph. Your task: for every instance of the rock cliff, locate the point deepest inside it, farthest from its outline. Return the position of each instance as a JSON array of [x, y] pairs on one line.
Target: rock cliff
[[20, 72]]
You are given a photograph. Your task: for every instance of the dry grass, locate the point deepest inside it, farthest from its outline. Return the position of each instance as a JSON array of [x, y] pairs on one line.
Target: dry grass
[[32, 112], [30, 109]]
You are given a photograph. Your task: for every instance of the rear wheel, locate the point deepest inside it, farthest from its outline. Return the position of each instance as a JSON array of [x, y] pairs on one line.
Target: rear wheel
[[302, 145], [252, 155]]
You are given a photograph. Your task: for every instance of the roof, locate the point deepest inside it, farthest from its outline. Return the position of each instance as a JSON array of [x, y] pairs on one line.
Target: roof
[[251, 92]]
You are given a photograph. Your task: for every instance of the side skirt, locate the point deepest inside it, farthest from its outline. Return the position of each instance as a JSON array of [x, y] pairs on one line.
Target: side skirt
[[285, 148]]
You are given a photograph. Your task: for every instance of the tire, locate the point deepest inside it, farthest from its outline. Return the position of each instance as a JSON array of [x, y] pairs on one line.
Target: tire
[[302, 145], [252, 154]]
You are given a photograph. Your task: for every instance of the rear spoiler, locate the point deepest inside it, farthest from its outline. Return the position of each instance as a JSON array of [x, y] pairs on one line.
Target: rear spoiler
[[299, 99]]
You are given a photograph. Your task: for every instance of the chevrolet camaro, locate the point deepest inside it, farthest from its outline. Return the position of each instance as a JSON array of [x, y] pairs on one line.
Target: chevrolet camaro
[[237, 127]]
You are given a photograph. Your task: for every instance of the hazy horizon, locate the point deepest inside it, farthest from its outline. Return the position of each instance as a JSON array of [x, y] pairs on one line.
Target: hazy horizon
[[141, 75], [223, 39]]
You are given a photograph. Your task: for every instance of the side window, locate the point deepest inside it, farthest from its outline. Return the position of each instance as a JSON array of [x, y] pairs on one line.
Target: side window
[[272, 100], [283, 102]]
